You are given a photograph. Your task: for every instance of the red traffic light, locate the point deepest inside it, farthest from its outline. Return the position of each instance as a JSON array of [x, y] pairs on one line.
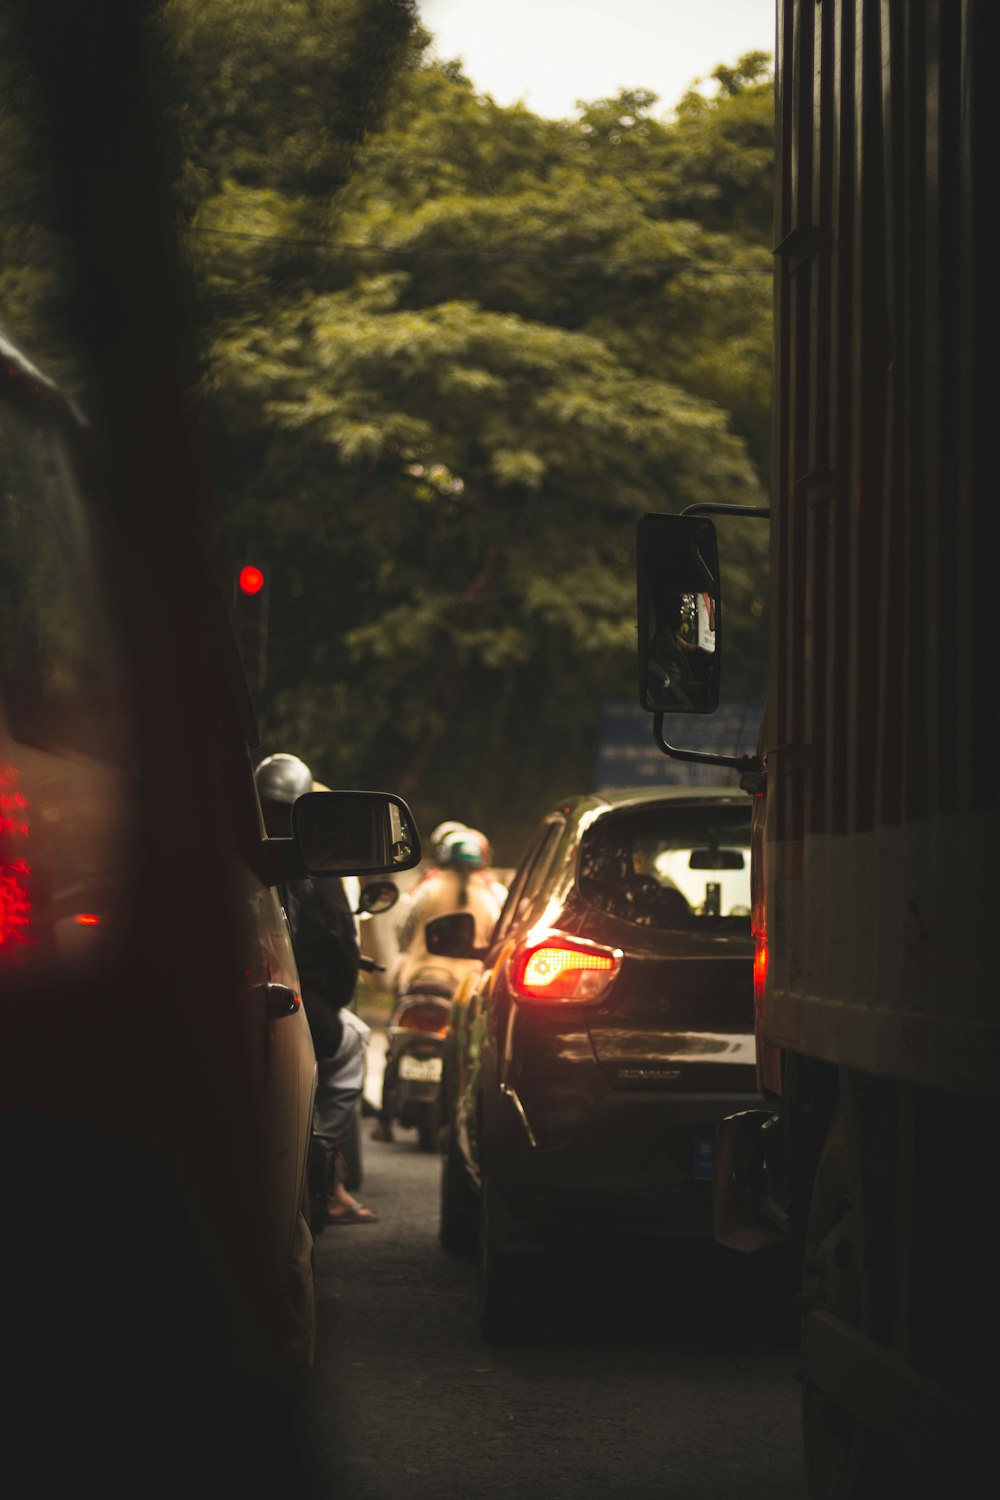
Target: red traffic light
[[250, 579]]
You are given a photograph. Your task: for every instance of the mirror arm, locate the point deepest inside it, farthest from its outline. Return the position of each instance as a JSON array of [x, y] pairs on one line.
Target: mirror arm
[[750, 767], [710, 508], [745, 764], [278, 861]]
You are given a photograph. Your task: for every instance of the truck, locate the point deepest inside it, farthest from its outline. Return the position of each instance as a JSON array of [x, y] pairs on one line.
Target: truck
[[876, 840]]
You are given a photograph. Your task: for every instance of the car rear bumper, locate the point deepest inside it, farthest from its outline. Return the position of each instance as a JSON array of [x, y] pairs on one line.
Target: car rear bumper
[[635, 1162]]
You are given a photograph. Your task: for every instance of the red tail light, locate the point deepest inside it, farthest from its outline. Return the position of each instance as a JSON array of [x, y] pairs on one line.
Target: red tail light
[[768, 1055], [759, 973], [424, 1018], [15, 902], [558, 967]]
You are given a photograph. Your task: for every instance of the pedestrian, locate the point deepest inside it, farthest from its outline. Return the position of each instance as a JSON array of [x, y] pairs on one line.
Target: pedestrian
[[325, 941]]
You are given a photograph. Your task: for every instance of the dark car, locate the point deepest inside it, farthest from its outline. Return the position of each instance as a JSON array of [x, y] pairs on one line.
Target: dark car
[[608, 1033], [156, 1068]]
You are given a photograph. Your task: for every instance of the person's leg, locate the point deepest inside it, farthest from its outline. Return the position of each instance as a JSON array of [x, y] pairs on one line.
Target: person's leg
[[338, 1087], [324, 1149], [344, 1209], [335, 1119]]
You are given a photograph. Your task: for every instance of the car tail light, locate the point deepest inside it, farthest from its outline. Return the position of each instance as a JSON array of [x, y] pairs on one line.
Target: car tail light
[[425, 1018], [555, 966], [15, 902], [759, 973], [769, 1079]]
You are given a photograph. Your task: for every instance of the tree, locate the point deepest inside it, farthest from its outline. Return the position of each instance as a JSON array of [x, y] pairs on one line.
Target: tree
[[503, 461]]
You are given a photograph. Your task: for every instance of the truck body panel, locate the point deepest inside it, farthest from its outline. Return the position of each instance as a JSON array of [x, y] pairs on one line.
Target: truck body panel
[[880, 817]]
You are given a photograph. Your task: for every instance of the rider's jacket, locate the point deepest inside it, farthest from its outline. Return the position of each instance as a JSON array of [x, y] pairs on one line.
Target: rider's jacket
[[440, 893]]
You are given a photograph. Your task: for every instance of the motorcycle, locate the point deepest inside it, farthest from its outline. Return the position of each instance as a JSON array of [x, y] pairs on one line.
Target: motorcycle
[[414, 1063]]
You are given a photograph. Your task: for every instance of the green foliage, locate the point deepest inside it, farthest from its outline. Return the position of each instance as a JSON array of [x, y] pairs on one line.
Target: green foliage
[[278, 97], [36, 262], [723, 151]]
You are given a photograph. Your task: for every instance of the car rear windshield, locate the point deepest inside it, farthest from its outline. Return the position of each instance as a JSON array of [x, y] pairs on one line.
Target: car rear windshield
[[670, 866]]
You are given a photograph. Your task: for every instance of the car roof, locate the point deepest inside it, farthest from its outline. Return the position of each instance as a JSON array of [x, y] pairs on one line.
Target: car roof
[[624, 797], [22, 380]]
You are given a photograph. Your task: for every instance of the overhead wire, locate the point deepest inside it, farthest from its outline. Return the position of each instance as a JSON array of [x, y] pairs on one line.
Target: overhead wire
[[514, 256]]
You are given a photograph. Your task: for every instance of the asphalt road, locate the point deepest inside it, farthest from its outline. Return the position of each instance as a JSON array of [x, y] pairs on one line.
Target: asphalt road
[[661, 1375]]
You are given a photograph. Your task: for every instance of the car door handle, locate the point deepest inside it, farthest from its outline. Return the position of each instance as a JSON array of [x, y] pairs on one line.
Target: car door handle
[[280, 1001]]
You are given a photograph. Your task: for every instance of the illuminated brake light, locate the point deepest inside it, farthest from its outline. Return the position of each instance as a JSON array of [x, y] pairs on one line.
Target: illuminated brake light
[[759, 971], [769, 1071], [87, 919], [559, 967]]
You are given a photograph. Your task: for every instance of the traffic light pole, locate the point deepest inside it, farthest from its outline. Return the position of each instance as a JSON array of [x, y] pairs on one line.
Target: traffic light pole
[[251, 591]]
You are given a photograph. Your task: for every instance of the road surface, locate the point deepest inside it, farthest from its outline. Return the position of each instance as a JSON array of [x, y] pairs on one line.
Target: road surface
[[661, 1376]]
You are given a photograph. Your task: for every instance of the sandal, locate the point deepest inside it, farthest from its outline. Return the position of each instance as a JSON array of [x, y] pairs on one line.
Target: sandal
[[356, 1214]]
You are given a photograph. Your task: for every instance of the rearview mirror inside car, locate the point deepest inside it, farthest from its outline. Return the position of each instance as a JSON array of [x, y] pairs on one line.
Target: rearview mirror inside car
[[679, 611], [716, 859], [354, 833]]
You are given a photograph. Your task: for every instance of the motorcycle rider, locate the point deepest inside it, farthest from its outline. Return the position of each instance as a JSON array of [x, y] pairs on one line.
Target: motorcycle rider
[[458, 881], [325, 942]]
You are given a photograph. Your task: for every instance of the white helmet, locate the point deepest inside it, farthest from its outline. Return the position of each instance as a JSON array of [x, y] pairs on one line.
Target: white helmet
[[283, 778], [439, 835], [466, 849]]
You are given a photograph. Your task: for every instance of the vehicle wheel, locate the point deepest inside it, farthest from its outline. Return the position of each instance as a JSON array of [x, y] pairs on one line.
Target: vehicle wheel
[[459, 1210], [844, 1460], [511, 1283]]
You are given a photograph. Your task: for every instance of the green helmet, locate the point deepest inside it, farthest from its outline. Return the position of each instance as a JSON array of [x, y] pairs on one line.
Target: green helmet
[[465, 850], [440, 836]]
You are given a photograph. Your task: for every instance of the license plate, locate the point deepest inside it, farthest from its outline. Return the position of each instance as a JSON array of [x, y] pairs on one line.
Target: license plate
[[704, 1153], [420, 1069]]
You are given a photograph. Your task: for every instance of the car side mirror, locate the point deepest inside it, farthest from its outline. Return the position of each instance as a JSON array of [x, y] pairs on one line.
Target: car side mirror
[[354, 833], [453, 936], [375, 897], [679, 609], [342, 833]]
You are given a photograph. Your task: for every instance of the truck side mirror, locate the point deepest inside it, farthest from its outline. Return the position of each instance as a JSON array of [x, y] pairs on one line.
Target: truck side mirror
[[679, 609]]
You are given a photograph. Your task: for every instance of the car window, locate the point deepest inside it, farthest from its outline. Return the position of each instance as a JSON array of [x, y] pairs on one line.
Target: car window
[[55, 661], [529, 879], [670, 866], [65, 792]]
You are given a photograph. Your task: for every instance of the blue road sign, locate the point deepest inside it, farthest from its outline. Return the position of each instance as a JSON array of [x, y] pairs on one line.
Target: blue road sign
[[628, 755]]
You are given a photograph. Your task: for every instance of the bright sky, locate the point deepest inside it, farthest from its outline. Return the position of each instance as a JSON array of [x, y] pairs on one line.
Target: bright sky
[[549, 53]]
